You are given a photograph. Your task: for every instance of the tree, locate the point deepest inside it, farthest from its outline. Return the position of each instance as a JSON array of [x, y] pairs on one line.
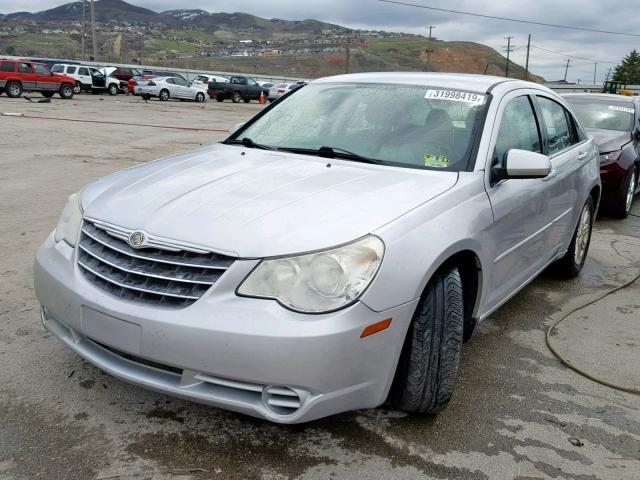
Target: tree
[[629, 70], [11, 50]]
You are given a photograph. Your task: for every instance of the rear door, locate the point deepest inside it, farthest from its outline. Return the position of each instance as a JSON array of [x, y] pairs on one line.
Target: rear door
[[27, 76], [84, 75], [569, 153], [522, 208], [45, 80], [7, 70]]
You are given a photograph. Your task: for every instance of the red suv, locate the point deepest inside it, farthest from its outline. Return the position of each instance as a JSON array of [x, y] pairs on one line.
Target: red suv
[[17, 76]]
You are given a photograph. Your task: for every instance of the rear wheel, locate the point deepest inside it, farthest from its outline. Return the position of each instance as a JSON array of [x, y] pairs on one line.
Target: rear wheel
[[430, 359], [624, 201], [220, 98], [571, 264], [236, 97], [200, 97], [113, 89], [77, 88], [164, 95], [13, 89], [66, 91], [246, 100]]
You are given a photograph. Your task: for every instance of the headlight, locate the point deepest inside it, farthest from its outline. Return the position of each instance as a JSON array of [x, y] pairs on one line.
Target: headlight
[[611, 157], [70, 221], [317, 282]]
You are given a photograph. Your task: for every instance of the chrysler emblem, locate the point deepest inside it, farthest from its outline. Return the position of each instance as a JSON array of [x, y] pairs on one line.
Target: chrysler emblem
[[136, 239]]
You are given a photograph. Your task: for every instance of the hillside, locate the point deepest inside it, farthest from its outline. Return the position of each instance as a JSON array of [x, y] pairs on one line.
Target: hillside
[[240, 42]]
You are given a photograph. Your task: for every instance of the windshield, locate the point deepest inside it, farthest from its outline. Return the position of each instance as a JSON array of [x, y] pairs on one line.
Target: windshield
[[605, 115], [410, 126]]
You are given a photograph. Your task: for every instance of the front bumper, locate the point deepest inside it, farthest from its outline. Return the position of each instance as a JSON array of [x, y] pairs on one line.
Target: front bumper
[[224, 350], [613, 176]]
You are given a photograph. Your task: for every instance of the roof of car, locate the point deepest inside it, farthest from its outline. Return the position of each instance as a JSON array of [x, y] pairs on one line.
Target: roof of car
[[603, 97], [459, 81]]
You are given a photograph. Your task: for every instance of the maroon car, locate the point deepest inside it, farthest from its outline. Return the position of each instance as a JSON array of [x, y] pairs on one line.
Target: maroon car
[[614, 122]]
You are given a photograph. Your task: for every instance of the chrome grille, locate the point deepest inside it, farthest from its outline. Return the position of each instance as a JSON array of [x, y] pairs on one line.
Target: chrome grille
[[175, 278]]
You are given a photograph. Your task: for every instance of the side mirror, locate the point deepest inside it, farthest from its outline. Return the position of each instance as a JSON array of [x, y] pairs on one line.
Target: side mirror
[[236, 127], [525, 164]]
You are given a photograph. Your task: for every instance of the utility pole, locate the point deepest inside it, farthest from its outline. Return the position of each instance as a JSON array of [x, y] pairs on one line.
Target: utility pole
[[348, 55], [509, 50], [566, 69], [94, 42], [526, 67], [84, 31], [595, 71], [429, 49], [608, 74]]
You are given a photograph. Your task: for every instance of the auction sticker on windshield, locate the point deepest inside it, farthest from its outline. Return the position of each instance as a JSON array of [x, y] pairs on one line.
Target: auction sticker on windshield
[[455, 96], [620, 109]]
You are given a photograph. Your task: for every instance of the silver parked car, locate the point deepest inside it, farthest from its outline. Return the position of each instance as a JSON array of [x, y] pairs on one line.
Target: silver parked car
[[334, 252], [165, 88]]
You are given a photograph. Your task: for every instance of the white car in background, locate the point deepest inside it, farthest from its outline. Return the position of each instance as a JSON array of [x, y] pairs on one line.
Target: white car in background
[[205, 79], [171, 87]]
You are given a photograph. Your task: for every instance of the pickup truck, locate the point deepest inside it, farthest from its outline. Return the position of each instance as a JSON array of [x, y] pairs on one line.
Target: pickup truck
[[236, 89]]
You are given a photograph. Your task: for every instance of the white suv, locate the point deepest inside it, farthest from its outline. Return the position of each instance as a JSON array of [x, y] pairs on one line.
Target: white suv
[[88, 78]]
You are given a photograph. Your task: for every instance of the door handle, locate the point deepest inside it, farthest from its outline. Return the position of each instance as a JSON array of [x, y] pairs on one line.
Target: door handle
[[583, 155]]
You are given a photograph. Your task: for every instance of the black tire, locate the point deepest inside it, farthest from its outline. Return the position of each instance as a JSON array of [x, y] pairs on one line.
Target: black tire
[[220, 98], [430, 359], [622, 206], [113, 89], [570, 265], [200, 97], [236, 97], [13, 89], [77, 88], [66, 91], [47, 94], [246, 100], [164, 95]]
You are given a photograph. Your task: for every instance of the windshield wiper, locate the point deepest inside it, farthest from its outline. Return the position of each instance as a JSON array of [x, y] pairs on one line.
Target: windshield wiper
[[247, 142], [334, 152]]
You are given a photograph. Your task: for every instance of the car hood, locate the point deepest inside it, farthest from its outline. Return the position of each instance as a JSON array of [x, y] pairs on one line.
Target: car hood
[[609, 140], [257, 203]]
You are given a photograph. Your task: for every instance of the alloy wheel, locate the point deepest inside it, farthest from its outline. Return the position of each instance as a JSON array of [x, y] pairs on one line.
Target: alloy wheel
[[582, 235], [14, 90]]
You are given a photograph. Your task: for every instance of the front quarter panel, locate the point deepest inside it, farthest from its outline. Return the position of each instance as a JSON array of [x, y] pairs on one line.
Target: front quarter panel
[[418, 243]]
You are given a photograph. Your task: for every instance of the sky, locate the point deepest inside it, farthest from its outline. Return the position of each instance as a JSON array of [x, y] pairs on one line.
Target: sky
[[611, 15]]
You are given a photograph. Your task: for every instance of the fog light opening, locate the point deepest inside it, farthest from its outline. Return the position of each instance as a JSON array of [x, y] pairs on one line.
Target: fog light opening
[[282, 401]]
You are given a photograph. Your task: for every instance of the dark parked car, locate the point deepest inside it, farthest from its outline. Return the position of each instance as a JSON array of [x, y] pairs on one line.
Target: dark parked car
[[614, 122], [237, 89]]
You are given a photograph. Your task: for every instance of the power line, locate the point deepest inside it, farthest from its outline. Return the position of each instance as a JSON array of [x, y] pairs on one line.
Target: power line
[[395, 2], [574, 56]]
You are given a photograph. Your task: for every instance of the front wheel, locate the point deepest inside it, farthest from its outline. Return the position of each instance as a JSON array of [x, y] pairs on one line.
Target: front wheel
[[220, 98], [113, 89], [66, 91], [236, 97], [623, 203], [571, 264], [246, 100], [164, 95], [430, 359], [200, 97]]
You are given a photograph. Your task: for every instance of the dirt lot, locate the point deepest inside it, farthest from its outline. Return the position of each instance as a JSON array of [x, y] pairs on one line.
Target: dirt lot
[[516, 406]]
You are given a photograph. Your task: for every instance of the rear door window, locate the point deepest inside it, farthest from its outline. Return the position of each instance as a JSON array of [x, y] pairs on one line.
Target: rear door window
[[7, 67], [560, 132]]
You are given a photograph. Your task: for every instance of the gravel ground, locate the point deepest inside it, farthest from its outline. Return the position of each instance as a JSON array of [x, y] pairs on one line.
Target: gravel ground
[[518, 413]]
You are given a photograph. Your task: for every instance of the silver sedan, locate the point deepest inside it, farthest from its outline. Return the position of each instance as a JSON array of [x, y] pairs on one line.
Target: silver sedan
[[334, 252], [166, 88]]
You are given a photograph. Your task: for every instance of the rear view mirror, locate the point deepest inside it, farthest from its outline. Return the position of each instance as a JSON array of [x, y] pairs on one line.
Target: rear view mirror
[[235, 128], [525, 164]]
